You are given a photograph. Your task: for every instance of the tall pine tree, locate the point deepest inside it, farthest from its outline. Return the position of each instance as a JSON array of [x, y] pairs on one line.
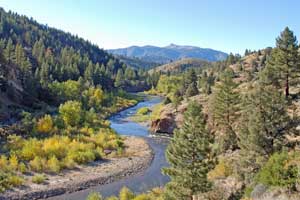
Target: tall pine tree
[[225, 108], [283, 65], [190, 156], [190, 83], [264, 120], [9, 51]]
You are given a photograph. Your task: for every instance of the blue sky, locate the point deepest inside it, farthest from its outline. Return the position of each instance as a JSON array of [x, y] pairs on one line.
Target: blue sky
[[227, 25]]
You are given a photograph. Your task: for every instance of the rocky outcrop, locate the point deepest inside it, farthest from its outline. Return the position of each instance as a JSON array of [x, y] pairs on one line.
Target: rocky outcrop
[[261, 192], [224, 189], [171, 118], [164, 125]]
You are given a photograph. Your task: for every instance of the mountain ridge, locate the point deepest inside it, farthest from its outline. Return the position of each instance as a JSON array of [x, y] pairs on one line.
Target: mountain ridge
[[169, 53]]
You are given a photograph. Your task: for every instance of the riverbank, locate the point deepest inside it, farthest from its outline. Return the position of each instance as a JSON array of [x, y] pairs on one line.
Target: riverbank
[[138, 156]]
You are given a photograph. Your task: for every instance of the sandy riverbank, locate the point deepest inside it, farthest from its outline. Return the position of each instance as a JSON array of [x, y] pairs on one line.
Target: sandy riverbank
[[138, 157]]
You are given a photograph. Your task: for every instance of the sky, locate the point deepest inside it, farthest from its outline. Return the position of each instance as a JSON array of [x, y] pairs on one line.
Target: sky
[[226, 25]]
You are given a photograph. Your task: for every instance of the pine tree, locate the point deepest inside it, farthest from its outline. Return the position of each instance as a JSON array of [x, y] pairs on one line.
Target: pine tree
[[190, 83], [38, 50], [89, 72], [283, 64], [270, 116], [119, 78], [225, 108], [263, 121], [9, 51], [2, 58], [230, 59], [27, 79], [189, 155], [98, 75], [44, 75], [20, 57]]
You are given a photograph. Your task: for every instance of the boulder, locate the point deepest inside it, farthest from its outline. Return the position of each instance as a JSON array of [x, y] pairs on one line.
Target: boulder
[[163, 125], [258, 191]]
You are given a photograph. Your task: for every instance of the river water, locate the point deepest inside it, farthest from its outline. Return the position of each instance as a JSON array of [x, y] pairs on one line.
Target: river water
[[142, 182]]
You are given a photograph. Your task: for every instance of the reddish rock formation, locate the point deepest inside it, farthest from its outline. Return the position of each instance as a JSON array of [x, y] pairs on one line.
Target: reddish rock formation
[[164, 125]]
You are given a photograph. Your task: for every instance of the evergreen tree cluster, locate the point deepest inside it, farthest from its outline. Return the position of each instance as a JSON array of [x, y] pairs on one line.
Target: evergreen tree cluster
[[252, 119], [42, 55]]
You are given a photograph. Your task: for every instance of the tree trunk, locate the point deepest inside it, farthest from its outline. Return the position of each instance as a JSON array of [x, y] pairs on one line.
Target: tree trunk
[[287, 85]]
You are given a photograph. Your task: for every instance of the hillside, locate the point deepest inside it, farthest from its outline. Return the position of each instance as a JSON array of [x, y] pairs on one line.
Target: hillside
[[35, 58], [180, 65], [137, 63], [169, 53], [247, 108]]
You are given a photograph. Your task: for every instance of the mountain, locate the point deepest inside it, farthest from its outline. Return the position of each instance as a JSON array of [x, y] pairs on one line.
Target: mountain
[[180, 65], [169, 53]]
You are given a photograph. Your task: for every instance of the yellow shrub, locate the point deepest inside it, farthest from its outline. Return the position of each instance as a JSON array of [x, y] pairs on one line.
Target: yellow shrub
[[53, 165], [22, 168], [68, 163], [15, 142], [55, 146], [37, 164], [38, 179], [3, 163], [31, 149], [13, 162], [45, 124], [15, 181], [222, 170], [142, 197], [126, 194]]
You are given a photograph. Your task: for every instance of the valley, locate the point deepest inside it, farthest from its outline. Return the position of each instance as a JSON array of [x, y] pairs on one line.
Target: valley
[[97, 106]]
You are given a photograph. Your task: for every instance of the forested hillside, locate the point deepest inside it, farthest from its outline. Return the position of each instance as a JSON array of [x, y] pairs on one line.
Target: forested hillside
[[57, 91], [250, 105], [181, 66], [35, 58], [137, 63]]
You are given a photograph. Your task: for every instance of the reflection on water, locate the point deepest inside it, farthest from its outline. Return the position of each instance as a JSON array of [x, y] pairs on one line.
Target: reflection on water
[[142, 182]]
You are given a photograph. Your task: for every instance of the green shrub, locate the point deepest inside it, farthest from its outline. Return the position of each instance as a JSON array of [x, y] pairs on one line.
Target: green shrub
[[4, 181], [71, 112], [82, 157], [167, 100], [143, 111], [278, 172], [248, 190], [38, 179]]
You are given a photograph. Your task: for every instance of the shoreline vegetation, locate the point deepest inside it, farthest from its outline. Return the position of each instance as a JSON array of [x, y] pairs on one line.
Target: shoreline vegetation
[[137, 157], [48, 146]]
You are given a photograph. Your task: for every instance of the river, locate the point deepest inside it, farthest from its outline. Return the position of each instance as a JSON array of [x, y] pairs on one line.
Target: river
[[144, 181]]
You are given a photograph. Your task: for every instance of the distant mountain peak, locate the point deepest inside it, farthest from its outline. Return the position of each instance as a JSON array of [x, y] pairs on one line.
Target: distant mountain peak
[[172, 45], [171, 52]]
